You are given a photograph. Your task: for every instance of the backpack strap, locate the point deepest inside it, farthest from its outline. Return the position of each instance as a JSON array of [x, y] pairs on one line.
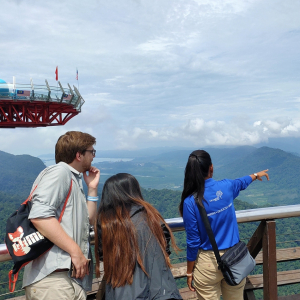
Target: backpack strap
[[12, 282], [64, 207], [30, 196]]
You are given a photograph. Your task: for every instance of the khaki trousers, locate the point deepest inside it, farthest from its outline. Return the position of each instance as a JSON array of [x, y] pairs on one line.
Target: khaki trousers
[[56, 286], [209, 281]]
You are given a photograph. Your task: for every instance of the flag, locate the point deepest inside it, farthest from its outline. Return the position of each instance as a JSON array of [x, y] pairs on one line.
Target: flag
[[56, 72], [67, 96], [23, 93], [76, 74]]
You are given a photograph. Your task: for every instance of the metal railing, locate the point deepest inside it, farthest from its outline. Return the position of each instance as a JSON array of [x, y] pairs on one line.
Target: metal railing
[[243, 216], [266, 216], [33, 92], [250, 215]]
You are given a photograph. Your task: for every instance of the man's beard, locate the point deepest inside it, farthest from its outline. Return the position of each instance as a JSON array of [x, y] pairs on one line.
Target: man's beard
[[86, 166]]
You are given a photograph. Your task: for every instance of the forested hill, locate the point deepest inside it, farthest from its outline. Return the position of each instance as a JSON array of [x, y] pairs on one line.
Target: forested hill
[[219, 156], [166, 170], [284, 170], [18, 173]]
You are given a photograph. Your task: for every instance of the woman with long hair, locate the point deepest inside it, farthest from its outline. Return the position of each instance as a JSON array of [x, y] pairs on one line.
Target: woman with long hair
[[132, 240], [217, 199]]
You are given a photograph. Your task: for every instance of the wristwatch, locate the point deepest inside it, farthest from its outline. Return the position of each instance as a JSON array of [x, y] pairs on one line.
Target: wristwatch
[[255, 174]]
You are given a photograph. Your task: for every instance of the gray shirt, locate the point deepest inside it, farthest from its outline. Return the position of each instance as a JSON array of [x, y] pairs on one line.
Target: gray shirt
[[159, 284], [53, 185]]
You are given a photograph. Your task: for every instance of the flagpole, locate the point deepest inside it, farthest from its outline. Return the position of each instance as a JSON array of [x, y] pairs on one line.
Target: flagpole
[[77, 78], [56, 77]]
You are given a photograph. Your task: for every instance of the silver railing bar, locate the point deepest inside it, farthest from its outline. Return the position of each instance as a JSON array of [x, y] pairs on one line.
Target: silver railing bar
[[243, 216], [250, 215]]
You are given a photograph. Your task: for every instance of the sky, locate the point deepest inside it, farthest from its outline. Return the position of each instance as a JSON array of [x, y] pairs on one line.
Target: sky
[[158, 73]]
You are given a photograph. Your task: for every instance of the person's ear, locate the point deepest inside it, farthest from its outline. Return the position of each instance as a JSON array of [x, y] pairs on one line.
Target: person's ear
[[78, 156], [211, 170]]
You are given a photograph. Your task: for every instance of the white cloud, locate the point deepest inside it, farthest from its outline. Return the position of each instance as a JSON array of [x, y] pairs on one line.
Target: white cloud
[[212, 133], [218, 72]]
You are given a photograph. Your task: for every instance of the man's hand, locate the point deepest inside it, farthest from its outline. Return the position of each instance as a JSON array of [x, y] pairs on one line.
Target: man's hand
[[92, 180], [51, 228], [81, 264]]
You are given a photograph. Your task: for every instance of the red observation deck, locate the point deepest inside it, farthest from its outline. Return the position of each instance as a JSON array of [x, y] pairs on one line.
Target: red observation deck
[[30, 105]]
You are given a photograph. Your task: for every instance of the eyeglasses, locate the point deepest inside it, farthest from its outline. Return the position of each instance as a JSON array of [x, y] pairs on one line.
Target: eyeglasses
[[92, 151]]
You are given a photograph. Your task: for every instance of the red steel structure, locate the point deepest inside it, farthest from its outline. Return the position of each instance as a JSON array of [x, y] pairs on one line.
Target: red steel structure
[[31, 105]]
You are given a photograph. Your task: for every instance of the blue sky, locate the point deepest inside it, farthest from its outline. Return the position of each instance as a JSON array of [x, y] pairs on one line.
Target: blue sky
[[159, 73]]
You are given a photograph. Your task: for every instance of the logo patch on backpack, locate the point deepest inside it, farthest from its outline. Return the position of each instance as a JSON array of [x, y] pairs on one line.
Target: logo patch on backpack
[[21, 245]]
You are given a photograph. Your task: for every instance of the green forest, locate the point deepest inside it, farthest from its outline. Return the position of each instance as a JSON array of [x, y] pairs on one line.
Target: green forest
[[166, 201], [19, 172]]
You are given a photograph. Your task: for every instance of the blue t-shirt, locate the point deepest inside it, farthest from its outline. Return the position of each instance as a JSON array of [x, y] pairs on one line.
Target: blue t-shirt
[[219, 196]]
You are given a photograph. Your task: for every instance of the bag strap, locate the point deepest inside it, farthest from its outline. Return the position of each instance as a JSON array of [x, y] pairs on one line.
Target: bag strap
[[30, 196], [209, 231], [64, 207], [12, 281]]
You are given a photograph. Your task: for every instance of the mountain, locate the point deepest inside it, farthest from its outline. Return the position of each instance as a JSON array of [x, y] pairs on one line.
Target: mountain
[[288, 144], [284, 169], [18, 172], [166, 171], [219, 156]]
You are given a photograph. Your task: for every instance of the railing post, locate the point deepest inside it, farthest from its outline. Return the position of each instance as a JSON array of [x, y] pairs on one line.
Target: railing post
[[255, 243], [249, 295], [269, 261]]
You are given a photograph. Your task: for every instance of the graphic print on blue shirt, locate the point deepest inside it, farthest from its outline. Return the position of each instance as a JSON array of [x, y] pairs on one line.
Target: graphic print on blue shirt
[[219, 196]]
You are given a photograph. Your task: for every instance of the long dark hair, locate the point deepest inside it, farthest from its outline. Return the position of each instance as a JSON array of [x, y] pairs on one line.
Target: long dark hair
[[196, 170], [119, 236]]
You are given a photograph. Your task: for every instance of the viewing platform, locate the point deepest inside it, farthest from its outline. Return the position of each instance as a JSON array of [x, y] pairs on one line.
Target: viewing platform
[[32, 105], [262, 246]]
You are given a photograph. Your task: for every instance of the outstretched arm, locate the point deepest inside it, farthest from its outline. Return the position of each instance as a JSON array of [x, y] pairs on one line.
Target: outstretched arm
[[259, 175]]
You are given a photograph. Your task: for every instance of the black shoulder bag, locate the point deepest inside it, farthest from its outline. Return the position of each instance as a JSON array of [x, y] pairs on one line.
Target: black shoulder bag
[[236, 263]]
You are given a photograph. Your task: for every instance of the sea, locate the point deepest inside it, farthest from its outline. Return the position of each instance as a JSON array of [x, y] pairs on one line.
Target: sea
[[51, 161]]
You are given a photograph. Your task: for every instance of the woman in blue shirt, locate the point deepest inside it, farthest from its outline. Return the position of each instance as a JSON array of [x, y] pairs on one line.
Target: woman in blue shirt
[[217, 200]]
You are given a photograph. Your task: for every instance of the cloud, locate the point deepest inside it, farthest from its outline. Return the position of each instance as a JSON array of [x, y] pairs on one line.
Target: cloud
[[159, 72], [211, 133]]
